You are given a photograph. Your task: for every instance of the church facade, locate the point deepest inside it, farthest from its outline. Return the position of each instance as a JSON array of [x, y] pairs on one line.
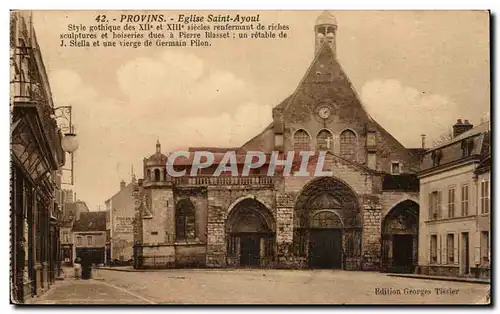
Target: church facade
[[363, 217]]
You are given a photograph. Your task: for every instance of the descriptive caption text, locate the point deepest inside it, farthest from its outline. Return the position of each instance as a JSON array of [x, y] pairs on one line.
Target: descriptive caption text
[[416, 291], [161, 30]]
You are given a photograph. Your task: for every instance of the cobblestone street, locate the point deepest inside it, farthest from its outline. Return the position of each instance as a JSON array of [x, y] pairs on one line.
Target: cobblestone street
[[259, 287]]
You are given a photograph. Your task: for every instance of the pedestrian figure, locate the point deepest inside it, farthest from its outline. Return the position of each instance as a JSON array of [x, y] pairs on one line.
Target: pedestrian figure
[[77, 266]]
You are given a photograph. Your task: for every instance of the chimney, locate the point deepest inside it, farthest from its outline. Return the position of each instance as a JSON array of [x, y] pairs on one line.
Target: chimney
[[461, 127], [122, 185], [423, 140], [78, 211]]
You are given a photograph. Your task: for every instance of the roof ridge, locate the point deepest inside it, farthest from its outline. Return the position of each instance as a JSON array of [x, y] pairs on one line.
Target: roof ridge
[[256, 136], [469, 133], [316, 57]]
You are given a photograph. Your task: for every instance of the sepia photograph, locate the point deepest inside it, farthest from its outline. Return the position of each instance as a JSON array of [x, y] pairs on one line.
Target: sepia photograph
[[298, 157]]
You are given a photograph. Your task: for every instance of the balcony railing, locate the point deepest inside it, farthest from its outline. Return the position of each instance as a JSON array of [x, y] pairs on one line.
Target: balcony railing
[[223, 180]]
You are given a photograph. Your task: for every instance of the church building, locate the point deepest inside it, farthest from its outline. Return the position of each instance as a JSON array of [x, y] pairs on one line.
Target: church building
[[363, 217]]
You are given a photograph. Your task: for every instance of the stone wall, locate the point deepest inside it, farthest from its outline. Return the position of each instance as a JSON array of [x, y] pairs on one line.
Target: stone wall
[[371, 232], [481, 272], [159, 256], [440, 270], [285, 257], [190, 255], [160, 228], [284, 218]]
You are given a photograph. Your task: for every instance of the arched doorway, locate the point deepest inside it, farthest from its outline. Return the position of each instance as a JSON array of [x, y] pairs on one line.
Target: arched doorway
[[325, 241], [327, 225], [400, 238], [250, 232]]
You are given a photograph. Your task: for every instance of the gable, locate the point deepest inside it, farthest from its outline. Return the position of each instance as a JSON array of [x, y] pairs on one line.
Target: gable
[[325, 84]]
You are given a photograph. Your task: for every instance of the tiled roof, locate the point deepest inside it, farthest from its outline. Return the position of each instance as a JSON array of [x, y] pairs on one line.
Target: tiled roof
[[213, 149], [157, 158], [91, 221], [418, 151], [482, 128], [484, 166], [452, 150], [70, 212], [284, 103]]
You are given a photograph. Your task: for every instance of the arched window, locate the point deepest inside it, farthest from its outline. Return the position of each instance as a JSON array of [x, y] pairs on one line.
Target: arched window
[[324, 140], [148, 174], [157, 174], [301, 141], [185, 227], [348, 144]]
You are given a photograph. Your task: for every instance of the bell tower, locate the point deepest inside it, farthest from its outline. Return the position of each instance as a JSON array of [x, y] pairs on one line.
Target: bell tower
[[325, 31], [158, 147]]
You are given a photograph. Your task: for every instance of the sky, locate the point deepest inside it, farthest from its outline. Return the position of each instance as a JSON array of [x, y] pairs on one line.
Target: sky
[[415, 71]]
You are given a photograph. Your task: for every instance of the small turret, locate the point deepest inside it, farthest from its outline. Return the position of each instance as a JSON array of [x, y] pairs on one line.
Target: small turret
[[325, 31]]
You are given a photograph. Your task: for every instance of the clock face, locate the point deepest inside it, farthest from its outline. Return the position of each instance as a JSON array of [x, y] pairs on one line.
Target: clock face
[[324, 112]]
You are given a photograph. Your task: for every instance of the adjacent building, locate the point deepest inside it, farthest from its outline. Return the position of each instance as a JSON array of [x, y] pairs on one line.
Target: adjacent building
[[121, 223], [36, 156], [454, 228], [71, 213], [363, 217], [89, 236]]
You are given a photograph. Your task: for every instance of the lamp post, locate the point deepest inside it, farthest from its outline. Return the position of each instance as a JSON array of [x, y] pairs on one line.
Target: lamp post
[[69, 142]]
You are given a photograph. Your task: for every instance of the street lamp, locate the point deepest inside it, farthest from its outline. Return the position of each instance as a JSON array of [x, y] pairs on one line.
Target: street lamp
[[69, 142]]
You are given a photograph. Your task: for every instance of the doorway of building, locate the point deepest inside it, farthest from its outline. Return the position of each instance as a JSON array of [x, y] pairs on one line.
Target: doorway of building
[[250, 235], [325, 248], [249, 250], [400, 238], [328, 225], [402, 248]]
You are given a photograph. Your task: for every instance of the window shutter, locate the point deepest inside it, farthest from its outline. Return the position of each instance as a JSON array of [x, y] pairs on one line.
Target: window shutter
[[430, 206], [482, 197], [429, 248], [440, 204], [445, 249], [439, 250]]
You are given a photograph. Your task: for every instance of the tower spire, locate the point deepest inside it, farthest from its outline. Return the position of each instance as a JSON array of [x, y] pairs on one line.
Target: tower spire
[[325, 31], [132, 174], [158, 146]]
